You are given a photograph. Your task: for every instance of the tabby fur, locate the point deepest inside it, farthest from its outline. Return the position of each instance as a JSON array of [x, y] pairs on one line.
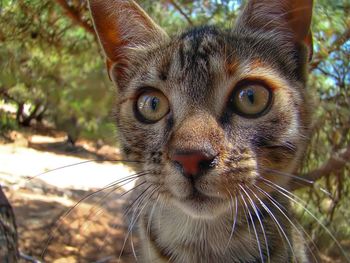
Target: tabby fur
[[238, 216]]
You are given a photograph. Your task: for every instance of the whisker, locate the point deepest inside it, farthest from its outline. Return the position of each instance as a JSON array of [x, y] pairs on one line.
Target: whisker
[[259, 219], [134, 219], [326, 192], [127, 179], [132, 247], [140, 196], [295, 199], [141, 201], [275, 219], [278, 206], [148, 229], [246, 216], [67, 213], [300, 178], [234, 217], [80, 163], [114, 225], [140, 212], [254, 228], [136, 202], [289, 175], [99, 202]]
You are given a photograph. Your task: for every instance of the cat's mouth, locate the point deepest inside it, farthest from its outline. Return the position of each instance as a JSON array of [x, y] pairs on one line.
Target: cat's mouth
[[197, 196], [199, 204]]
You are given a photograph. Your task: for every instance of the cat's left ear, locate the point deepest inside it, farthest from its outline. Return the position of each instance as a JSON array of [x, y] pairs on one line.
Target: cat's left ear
[[122, 26], [289, 19]]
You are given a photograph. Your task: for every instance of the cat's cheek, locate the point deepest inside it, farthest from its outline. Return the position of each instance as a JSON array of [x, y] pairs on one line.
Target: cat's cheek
[[280, 161]]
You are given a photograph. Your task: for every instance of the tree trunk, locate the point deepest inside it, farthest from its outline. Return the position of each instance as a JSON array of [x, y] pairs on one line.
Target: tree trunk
[[40, 116], [8, 231], [26, 121], [19, 113]]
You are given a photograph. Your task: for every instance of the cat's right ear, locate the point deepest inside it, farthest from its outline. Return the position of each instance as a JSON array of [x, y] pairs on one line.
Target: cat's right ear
[[287, 21], [123, 26]]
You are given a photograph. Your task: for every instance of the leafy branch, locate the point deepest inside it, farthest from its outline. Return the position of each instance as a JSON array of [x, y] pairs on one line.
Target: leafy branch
[[75, 16], [181, 11], [337, 43], [335, 163]]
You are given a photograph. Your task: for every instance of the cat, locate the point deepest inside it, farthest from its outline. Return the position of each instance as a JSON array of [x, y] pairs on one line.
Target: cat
[[215, 121]]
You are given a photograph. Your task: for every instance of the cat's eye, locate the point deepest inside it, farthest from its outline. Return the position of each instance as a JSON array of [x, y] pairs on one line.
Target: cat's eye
[[251, 100], [151, 106]]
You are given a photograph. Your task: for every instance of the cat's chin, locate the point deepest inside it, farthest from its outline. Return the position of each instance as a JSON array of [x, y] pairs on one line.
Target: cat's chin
[[202, 206]]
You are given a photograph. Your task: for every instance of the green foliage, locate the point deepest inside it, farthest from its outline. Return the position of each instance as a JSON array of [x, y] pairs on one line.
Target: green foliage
[[7, 122], [330, 88], [49, 63]]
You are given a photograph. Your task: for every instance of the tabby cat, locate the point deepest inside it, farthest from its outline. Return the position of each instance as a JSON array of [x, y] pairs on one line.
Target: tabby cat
[[215, 121]]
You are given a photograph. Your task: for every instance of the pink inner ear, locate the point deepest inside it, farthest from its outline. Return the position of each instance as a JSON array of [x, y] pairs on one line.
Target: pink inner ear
[[110, 38], [120, 23]]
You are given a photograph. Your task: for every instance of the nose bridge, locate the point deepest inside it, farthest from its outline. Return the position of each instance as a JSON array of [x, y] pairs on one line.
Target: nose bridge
[[198, 132]]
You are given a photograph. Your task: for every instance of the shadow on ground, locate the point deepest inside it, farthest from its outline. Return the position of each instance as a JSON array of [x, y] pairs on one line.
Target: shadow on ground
[[91, 232], [48, 229]]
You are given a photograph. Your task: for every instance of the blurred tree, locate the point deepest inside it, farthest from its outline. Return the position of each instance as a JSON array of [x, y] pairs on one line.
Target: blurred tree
[[8, 231], [49, 68], [329, 151]]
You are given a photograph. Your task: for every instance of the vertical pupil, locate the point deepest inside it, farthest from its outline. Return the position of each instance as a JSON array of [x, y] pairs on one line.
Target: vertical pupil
[[250, 96], [154, 103]]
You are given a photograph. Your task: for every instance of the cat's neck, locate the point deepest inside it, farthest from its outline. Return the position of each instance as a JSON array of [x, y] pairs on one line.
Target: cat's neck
[[169, 233]]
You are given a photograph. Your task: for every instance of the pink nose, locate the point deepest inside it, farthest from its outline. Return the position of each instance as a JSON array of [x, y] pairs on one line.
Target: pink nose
[[193, 163]]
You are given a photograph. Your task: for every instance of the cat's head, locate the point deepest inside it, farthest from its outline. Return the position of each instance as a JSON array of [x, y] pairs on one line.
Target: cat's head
[[208, 112]]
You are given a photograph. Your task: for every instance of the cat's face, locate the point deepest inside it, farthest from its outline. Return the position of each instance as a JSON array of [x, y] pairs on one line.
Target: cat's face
[[208, 112]]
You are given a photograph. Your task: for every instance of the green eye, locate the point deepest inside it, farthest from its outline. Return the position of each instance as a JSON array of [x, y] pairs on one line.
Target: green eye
[[151, 106], [251, 100]]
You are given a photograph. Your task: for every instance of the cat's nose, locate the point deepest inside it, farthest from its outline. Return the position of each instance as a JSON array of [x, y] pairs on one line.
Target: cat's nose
[[193, 163]]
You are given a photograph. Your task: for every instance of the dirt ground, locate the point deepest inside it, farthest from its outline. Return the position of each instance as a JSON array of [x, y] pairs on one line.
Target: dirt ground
[[49, 229], [46, 180]]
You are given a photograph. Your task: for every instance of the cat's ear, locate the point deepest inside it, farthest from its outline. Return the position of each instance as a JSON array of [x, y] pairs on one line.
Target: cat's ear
[[123, 26], [290, 19]]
